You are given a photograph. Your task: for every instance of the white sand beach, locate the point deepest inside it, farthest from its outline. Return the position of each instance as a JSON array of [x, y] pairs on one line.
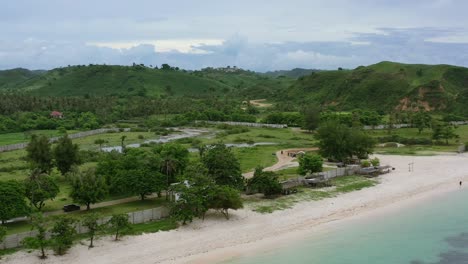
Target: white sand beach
[[216, 239]]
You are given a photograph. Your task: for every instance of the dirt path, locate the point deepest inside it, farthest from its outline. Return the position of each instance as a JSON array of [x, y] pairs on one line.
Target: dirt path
[[284, 161], [260, 103]]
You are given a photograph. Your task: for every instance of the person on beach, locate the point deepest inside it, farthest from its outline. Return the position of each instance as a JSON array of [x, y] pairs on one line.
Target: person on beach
[[460, 183]]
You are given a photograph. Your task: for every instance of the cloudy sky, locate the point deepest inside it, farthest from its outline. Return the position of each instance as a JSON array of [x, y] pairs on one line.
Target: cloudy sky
[[254, 34]]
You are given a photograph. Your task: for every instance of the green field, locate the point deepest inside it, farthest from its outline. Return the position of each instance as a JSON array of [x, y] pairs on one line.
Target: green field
[[13, 138]]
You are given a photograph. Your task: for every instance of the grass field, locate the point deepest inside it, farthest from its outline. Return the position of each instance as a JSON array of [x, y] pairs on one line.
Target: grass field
[[20, 137], [461, 131]]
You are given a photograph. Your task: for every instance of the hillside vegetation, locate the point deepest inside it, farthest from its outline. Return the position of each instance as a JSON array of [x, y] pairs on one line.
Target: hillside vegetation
[[15, 77], [387, 86], [138, 80]]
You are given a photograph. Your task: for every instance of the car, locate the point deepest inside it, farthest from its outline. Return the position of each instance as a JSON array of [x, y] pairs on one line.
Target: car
[[71, 208]]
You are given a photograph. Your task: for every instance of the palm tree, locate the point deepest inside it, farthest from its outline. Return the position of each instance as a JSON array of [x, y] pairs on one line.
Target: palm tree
[[99, 142], [122, 142]]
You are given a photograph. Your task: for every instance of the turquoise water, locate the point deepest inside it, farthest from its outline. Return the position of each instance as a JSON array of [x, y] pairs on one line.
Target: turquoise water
[[433, 232]]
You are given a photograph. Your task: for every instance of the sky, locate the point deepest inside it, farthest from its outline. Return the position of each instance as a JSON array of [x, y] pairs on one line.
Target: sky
[[259, 35]]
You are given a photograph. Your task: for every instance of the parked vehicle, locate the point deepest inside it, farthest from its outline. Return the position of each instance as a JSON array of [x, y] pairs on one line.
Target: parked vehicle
[[71, 208]]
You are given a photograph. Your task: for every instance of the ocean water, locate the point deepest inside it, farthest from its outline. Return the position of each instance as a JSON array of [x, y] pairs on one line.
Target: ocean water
[[431, 232]]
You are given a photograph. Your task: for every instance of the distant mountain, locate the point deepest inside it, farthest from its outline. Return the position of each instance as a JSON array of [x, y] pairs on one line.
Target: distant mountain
[[386, 86], [104, 80], [15, 77], [294, 73]]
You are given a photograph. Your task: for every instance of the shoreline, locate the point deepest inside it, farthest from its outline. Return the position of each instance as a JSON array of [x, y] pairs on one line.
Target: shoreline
[[322, 226], [248, 233]]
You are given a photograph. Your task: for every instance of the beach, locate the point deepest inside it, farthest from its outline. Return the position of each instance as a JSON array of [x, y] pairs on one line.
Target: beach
[[216, 240]]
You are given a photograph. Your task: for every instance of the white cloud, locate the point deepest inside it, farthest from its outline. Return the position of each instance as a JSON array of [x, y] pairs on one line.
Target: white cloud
[[163, 45]]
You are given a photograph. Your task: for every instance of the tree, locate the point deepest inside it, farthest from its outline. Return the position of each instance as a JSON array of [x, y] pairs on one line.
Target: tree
[[143, 182], [88, 120], [119, 224], [12, 202], [66, 154], [88, 188], [226, 198], [422, 120], [340, 142], [194, 195], [91, 221], [174, 160], [265, 182], [39, 153], [122, 143], [100, 142], [223, 166], [310, 163], [62, 234], [40, 240], [3, 232], [443, 131], [311, 117], [40, 187], [139, 173]]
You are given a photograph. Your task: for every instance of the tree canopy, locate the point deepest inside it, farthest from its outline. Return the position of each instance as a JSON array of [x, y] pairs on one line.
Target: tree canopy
[[12, 200], [39, 153], [88, 188], [265, 182], [341, 142], [40, 187], [223, 166], [310, 163], [66, 154]]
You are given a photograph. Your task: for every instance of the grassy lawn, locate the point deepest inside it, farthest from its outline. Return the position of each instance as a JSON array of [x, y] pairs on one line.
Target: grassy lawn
[[250, 158], [20, 137], [340, 185]]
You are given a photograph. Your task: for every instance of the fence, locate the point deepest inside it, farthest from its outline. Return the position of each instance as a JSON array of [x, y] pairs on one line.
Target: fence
[[244, 124], [13, 241], [380, 127], [325, 176], [72, 136]]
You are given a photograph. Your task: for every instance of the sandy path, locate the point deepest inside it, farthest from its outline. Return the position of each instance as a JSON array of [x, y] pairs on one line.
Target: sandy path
[[215, 239], [260, 103], [284, 161]]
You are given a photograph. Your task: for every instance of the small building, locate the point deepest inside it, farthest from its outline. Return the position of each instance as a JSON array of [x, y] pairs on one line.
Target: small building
[[56, 114]]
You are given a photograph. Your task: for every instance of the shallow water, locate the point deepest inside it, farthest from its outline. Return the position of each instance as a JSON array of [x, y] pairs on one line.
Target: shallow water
[[185, 133], [433, 232]]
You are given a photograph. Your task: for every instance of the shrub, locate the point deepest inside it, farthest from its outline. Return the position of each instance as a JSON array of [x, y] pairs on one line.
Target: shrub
[[141, 137], [375, 161], [365, 163]]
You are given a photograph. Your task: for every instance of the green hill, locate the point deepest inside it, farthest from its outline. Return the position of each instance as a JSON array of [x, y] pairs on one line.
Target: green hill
[[387, 86], [103, 80], [15, 77], [294, 73]]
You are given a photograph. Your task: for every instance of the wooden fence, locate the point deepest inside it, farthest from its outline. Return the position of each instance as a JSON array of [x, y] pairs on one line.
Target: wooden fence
[[72, 136], [13, 241]]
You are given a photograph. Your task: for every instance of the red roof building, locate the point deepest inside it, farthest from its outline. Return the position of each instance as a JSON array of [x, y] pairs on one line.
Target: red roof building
[[56, 114]]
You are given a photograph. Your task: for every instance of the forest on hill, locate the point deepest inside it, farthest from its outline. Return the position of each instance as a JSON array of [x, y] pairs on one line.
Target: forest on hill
[[94, 95], [386, 87]]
